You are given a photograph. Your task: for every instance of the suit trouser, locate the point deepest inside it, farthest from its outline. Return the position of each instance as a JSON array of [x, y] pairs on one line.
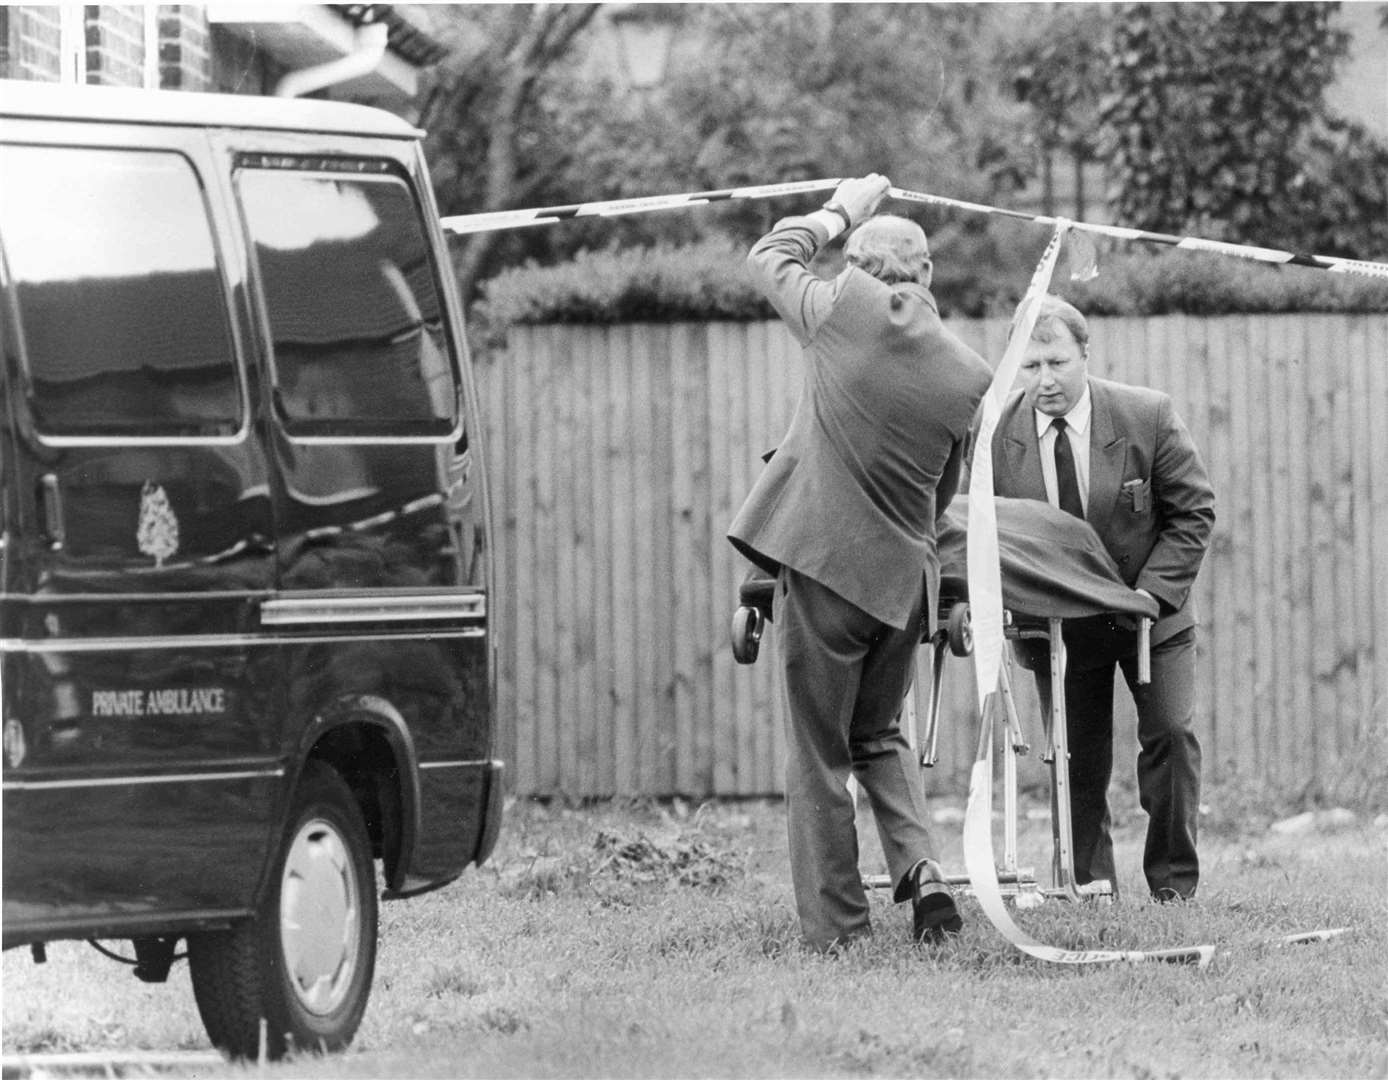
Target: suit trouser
[[1168, 759], [845, 675]]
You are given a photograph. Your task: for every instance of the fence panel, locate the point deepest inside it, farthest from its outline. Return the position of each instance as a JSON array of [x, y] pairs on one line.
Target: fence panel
[[619, 455]]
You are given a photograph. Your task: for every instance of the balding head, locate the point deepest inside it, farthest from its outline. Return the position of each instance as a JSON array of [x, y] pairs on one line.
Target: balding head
[[891, 249]]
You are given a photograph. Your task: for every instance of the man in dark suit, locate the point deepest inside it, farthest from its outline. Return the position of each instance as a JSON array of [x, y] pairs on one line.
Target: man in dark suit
[[1119, 457], [844, 516]]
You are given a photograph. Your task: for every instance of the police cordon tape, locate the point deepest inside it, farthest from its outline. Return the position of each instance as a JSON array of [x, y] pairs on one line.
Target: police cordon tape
[[986, 611], [1186, 243], [981, 867], [464, 224], [550, 215]]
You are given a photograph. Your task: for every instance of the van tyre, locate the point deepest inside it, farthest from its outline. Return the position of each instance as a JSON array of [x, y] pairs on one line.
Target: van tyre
[[306, 962]]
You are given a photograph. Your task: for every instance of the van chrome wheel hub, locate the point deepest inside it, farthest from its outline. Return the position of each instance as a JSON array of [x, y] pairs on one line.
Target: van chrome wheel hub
[[320, 924]]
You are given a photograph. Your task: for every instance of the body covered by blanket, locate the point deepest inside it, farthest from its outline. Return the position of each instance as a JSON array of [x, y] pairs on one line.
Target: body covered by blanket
[[1053, 564]]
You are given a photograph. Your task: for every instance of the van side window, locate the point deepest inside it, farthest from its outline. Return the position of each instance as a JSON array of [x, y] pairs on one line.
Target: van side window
[[123, 314], [357, 328]]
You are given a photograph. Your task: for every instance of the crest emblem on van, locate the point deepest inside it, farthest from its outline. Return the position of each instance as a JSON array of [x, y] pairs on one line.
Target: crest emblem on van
[[157, 535]]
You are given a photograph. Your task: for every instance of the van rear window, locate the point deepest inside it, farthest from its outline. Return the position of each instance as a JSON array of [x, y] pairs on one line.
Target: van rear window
[[122, 311], [357, 328]]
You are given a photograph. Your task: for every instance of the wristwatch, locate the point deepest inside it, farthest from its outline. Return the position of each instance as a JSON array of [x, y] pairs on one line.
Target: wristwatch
[[837, 208]]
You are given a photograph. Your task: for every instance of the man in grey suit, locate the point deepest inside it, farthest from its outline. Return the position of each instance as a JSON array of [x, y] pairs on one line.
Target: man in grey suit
[[844, 516], [1119, 457]]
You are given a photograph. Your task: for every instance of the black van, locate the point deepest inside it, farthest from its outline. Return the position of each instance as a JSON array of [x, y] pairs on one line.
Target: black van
[[245, 551]]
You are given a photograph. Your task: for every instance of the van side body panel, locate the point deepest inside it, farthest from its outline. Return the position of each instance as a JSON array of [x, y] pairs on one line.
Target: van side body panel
[[213, 563], [384, 550], [150, 713]]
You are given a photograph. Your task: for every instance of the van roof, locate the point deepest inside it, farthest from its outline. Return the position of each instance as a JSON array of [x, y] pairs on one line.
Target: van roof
[[115, 104]]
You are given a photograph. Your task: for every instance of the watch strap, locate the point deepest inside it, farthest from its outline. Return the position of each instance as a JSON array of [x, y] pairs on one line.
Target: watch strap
[[837, 208]]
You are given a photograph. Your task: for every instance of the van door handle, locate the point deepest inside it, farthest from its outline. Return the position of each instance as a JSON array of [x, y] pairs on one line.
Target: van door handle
[[54, 528]]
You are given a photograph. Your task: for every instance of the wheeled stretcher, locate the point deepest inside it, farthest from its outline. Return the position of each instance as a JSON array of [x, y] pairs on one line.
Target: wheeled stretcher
[[1054, 568]]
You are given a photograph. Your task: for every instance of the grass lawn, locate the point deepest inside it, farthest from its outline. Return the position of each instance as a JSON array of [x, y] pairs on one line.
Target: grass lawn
[[659, 940]]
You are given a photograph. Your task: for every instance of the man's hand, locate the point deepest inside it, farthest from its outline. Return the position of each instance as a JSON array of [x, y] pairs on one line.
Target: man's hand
[[861, 196]]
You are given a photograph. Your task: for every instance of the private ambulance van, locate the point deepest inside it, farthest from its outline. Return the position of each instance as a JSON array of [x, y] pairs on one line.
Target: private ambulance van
[[245, 652]]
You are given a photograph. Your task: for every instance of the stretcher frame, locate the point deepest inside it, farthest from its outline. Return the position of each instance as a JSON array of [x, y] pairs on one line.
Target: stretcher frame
[[954, 637]]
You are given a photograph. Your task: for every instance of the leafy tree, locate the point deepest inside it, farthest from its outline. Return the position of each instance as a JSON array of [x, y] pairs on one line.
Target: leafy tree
[[1059, 68], [1215, 123], [755, 93], [501, 126], [792, 91], [765, 93]]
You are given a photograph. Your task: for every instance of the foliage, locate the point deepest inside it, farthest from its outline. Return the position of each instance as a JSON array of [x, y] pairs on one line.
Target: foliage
[[1342, 193], [663, 282], [755, 93], [1213, 117], [708, 281], [790, 91], [1191, 283], [1215, 124], [669, 857], [501, 127], [1060, 68]]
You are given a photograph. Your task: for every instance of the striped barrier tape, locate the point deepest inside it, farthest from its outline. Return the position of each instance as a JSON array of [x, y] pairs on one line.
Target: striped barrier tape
[[549, 215], [982, 556], [1305, 937], [983, 877], [464, 224], [986, 610], [1186, 243]]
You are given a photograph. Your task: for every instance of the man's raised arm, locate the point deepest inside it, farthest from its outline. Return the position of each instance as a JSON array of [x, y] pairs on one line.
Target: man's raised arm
[[779, 262]]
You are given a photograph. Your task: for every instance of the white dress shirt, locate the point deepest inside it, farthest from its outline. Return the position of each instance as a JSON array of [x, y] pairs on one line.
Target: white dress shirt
[[1077, 431]]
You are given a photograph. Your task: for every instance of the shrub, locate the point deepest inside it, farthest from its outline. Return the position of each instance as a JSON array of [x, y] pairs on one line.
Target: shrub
[[662, 283], [1172, 282], [708, 281]]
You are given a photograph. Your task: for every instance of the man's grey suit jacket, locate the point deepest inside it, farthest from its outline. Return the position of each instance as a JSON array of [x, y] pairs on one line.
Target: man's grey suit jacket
[[1150, 499], [876, 444]]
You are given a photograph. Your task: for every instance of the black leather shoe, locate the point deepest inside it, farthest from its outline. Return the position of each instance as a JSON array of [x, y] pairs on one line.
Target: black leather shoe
[[934, 914]]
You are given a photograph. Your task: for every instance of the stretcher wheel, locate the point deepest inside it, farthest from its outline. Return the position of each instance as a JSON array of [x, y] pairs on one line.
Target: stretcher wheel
[[748, 623], [960, 630]]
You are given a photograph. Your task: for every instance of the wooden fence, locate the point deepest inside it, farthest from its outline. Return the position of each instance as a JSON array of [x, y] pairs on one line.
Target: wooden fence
[[619, 455]]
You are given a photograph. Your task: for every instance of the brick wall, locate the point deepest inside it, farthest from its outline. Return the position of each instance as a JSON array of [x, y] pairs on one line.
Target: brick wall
[[115, 36], [109, 41], [185, 61]]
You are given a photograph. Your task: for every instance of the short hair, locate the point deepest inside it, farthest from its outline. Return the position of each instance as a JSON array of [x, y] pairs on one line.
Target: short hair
[[892, 249], [1055, 313]]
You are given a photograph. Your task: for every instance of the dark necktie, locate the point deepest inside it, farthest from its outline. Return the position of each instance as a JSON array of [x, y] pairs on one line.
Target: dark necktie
[[1067, 484]]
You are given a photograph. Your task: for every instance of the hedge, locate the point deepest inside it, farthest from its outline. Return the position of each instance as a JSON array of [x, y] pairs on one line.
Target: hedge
[[1179, 282], [708, 281]]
